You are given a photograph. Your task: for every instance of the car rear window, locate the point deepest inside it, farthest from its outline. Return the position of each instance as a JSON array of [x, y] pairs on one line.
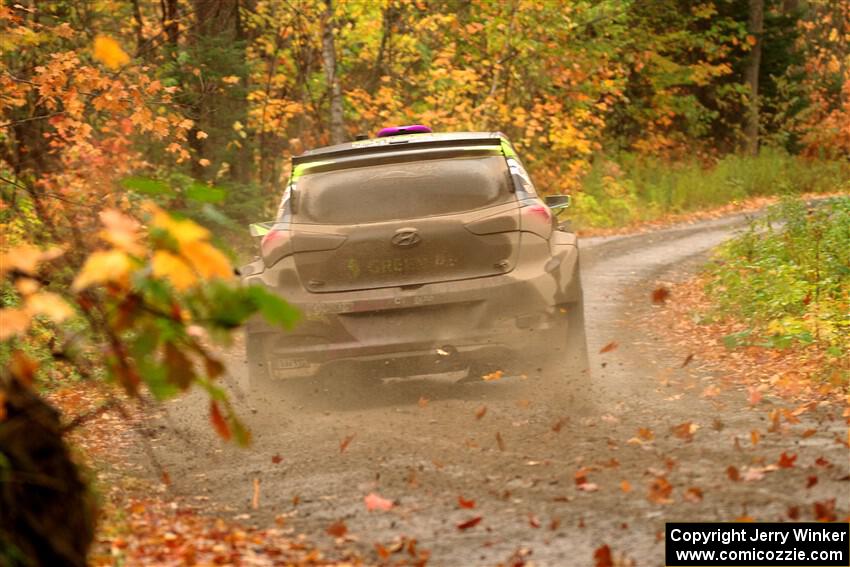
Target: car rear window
[[410, 189]]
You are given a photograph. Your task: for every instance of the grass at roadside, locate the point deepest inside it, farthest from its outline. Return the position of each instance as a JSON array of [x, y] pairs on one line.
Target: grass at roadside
[[779, 296], [633, 189]]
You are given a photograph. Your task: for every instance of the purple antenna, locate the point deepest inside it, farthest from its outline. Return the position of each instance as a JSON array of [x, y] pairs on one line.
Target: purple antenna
[[399, 130]]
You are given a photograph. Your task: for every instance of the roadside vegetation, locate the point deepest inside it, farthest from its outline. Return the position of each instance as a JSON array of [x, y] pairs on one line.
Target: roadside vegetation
[[787, 280]]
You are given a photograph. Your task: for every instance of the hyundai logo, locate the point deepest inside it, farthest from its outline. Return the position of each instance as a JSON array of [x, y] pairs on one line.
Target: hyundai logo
[[406, 238]]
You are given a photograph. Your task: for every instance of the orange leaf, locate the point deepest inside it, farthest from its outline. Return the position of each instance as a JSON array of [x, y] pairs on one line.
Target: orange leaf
[[470, 523], [480, 412], [218, 421], [465, 503], [609, 347], [337, 529], [660, 490], [500, 442], [602, 557], [423, 402], [375, 502], [825, 510], [786, 461], [660, 295], [276, 459], [754, 437], [733, 473], [693, 494], [343, 445], [625, 486], [255, 498]]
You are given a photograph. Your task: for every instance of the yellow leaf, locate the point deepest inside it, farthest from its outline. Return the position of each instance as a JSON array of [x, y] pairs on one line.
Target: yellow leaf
[[101, 267], [183, 230], [26, 286], [25, 258], [13, 321], [121, 231], [201, 135], [207, 259], [50, 305], [173, 268], [109, 52]]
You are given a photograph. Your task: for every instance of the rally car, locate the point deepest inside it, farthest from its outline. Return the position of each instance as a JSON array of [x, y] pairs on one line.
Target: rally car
[[417, 253]]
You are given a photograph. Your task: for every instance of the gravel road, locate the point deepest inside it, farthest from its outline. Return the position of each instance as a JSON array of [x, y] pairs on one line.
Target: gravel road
[[422, 444]]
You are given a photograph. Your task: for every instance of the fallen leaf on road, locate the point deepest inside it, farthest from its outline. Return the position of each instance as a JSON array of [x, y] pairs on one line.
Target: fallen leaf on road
[[646, 434], [825, 510], [470, 523], [821, 462], [688, 360], [811, 481], [480, 412], [685, 430], [218, 421], [733, 473], [753, 473], [660, 490], [753, 395], [493, 376], [786, 461], [609, 347], [343, 445], [337, 529], [255, 499], [463, 503], [276, 459], [625, 486], [375, 502], [660, 295], [754, 437], [533, 521], [588, 487], [808, 433], [423, 402], [693, 494], [602, 557], [793, 512], [711, 392], [500, 442]]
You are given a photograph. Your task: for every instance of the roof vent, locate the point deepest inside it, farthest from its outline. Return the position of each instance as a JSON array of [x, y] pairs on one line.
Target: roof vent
[[401, 130]]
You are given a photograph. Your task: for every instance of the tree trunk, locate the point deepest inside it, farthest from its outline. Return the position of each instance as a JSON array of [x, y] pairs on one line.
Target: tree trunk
[[755, 28], [337, 128]]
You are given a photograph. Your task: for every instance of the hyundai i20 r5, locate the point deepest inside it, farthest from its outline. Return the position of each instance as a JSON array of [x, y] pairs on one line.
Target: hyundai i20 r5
[[417, 254]]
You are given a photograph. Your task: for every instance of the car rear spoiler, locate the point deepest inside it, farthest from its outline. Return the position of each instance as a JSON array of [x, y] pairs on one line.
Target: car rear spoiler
[[395, 143]]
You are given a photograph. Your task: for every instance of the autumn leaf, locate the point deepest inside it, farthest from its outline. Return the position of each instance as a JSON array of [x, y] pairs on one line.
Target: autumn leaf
[[121, 231], [602, 557], [218, 421], [207, 260], [375, 502], [609, 347], [277, 459], [337, 529], [660, 490], [109, 52], [559, 423], [470, 523], [786, 461], [423, 402], [173, 268], [255, 497], [500, 442], [625, 486], [660, 295], [103, 266], [15, 322], [732, 473], [693, 494], [493, 376], [685, 430], [463, 503], [480, 412], [25, 258], [754, 437], [23, 368], [824, 511], [345, 442], [811, 481]]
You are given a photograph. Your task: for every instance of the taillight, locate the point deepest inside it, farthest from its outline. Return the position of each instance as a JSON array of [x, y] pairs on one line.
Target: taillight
[[537, 218], [275, 245]]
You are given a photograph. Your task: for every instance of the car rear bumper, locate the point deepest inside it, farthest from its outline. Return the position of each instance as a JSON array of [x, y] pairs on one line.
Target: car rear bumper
[[430, 328]]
